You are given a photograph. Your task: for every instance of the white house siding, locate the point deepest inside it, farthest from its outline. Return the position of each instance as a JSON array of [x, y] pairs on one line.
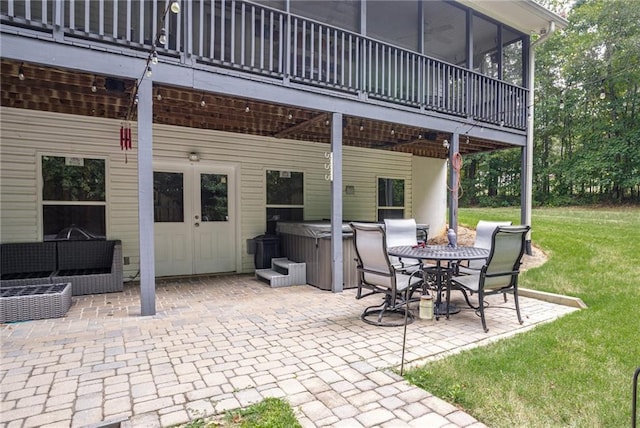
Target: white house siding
[[25, 134]]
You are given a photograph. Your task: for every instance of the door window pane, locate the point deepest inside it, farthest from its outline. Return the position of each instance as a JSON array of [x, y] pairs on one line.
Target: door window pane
[[168, 197], [214, 197]]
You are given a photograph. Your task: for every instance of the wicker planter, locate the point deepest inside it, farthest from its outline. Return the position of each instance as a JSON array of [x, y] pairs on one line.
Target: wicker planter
[[33, 302]]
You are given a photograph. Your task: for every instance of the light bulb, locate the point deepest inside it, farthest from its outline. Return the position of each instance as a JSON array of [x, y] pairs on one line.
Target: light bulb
[[136, 100], [94, 86], [361, 127], [603, 95], [175, 7], [290, 116], [163, 37], [21, 73], [159, 96], [393, 131], [247, 109], [419, 136], [149, 72], [154, 57], [561, 104], [202, 103]]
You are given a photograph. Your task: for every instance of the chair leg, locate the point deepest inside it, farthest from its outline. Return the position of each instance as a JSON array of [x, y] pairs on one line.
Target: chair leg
[[515, 299], [481, 307]]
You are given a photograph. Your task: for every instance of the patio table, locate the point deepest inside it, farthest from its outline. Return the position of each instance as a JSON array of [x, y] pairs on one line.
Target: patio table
[[440, 254]]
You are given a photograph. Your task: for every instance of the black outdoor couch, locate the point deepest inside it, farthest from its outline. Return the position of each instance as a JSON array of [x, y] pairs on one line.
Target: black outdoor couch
[[91, 266]]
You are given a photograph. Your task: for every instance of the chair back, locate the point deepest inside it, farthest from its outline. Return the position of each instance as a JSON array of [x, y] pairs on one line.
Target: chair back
[[507, 249], [371, 250], [401, 232], [484, 233]]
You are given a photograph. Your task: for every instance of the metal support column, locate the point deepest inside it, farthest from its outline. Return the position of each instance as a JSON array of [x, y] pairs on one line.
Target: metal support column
[[336, 203], [145, 198], [454, 178]]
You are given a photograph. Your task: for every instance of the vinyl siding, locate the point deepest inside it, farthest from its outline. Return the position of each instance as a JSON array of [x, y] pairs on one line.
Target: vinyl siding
[[26, 134]]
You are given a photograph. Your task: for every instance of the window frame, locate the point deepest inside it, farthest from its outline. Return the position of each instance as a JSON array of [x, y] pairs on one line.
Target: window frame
[[402, 208], [295, 206], [41, 202]]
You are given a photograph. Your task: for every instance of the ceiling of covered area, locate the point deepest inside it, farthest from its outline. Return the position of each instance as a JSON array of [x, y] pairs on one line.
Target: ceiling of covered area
[[65, 91]]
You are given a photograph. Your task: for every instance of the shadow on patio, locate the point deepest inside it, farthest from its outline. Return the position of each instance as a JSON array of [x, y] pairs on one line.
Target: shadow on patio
[[218, 343]]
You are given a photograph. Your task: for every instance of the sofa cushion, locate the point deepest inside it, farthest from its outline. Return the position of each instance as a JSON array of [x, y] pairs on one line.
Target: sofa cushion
[[28, 258], [85, 255]]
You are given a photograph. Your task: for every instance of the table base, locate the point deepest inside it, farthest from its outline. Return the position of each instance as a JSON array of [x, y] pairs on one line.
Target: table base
[[441, 309]]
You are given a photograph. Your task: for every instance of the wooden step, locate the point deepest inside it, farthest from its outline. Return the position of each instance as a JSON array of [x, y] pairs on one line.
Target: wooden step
[[283, 272]]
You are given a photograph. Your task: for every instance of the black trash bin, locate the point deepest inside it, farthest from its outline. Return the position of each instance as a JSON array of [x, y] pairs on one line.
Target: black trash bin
[[267, 247]]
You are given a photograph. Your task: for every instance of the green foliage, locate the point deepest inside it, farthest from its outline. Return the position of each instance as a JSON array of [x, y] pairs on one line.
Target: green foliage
[[577, 370], [269, 413]]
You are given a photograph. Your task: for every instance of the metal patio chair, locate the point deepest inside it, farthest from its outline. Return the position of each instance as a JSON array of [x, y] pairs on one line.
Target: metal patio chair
[[499, 275], [377, 275], [484, 232]]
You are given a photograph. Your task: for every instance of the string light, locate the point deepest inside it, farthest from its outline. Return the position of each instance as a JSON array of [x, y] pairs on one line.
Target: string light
[[162, 39], [361, 126], [203, 103], [393, 131], [94, 86], [290, 116], [247, 109], [21, 71]]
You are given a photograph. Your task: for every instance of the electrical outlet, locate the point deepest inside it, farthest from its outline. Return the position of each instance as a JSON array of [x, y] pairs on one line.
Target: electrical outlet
[[126, 260]]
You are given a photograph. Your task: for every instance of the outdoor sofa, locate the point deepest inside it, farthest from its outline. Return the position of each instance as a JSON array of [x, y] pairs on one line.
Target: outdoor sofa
[[91, 266]]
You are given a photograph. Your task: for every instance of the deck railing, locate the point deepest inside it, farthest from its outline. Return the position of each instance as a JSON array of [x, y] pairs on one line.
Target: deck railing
[[257, 39]]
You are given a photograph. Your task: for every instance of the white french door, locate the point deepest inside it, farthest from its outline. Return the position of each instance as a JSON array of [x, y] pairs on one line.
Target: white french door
[[195, 219]]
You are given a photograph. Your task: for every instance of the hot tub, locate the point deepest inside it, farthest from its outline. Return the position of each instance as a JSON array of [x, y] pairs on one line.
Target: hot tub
[[310, 242]]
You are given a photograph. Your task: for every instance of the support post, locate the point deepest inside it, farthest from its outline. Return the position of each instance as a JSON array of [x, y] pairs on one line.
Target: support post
[[336, 204], [454, 179], [145, 198]]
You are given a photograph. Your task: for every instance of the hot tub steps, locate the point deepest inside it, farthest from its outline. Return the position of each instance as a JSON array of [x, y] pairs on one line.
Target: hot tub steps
[[283, 273]]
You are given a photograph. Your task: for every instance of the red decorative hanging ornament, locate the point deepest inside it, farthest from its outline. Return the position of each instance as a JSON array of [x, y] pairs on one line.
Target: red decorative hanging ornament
[[125, 138]]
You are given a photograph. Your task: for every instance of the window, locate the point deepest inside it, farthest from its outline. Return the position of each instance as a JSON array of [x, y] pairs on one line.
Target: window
[[73, 194], [285, 196], [390, 198]]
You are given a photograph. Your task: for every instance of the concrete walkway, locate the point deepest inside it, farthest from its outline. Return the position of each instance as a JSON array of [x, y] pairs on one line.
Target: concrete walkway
[[219, 343]]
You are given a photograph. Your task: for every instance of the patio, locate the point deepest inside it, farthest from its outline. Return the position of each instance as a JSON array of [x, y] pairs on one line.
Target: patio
[[223, 342]]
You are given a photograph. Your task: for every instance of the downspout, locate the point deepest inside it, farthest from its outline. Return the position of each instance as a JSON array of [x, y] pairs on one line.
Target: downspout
[[528, 190]]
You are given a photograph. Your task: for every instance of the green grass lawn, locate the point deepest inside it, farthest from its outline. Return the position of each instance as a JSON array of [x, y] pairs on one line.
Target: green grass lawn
[[576, 371]]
